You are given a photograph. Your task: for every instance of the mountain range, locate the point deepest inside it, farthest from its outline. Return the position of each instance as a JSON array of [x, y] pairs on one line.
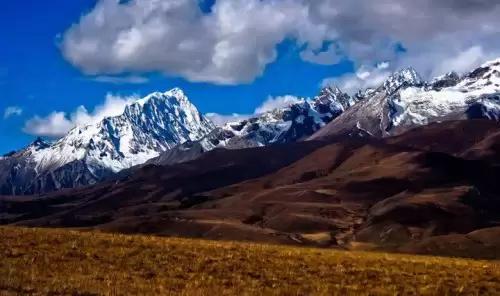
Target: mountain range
[[166, 128], [406, 101], [159, 128], [409, 166]]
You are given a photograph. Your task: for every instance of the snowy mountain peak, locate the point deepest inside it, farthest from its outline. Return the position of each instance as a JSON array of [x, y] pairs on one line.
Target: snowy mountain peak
[[405, 101], [405, 77], [334, 98], [492, 63], [39, 143], [331, 90], [447, 80], [176, 92], [292, 123], [484, 79], [146, 128], [489, 71]]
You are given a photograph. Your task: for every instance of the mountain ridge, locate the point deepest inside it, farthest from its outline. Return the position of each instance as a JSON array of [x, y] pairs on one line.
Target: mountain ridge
[[160, 128], [405, 101], [166, 128], [91, 152], [291, 123]]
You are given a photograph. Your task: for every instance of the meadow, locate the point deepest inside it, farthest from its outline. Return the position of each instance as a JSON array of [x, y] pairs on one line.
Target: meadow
[[61, 262]]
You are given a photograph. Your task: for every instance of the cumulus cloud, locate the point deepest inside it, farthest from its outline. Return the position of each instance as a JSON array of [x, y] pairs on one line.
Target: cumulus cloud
[[269, 104], [365, 77], [54, 125], [58, 124], [235, 41], [231, 44], [12, 111], [430, 32]]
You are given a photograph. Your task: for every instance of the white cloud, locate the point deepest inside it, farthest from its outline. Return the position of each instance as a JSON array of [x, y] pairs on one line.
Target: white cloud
[[221, 119], [462, 62], [54, 125], [238, 38], [12, 111], [269, 104], [121, 80], [365, 77], [58, 124], [383, 65], [276, 102], [230, 45]]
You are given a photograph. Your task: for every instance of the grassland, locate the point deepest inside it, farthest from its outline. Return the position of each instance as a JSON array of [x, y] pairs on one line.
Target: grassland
[[61, 262]]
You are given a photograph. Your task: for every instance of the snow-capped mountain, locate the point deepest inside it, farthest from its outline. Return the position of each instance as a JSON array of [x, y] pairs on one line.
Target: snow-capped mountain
[[165, 128], [407, 77], [405, 101], [292, 123], [87, 154], [295, 122]]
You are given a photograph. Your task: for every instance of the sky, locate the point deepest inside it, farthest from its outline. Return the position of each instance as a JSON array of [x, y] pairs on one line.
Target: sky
[[65, 63]]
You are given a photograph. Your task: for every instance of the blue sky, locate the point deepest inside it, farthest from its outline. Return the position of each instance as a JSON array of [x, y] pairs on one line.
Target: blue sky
[[35, 76], [229, 56]]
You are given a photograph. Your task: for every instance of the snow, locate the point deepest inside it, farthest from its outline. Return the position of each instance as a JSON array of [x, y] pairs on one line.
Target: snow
[[146, 128], [273, 126], [419, 105], [407, 76], [163, 120]]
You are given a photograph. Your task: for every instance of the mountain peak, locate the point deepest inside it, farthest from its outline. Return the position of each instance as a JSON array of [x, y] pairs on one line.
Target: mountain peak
[[492, 63], [146, 128], [447, 80], [331, 90], [39, 143], [408, 74], [332, 95], [405, 77], [175, 92]]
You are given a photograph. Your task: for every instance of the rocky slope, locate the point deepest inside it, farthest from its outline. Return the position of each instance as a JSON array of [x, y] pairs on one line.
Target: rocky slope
[[147, 127], [405, 101]]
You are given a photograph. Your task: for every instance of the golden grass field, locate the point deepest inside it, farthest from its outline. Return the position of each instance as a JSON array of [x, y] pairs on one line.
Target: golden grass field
[[62, 262]]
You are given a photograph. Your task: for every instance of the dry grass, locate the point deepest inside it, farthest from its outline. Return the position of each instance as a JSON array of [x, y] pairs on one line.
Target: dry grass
[[41, 261]]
